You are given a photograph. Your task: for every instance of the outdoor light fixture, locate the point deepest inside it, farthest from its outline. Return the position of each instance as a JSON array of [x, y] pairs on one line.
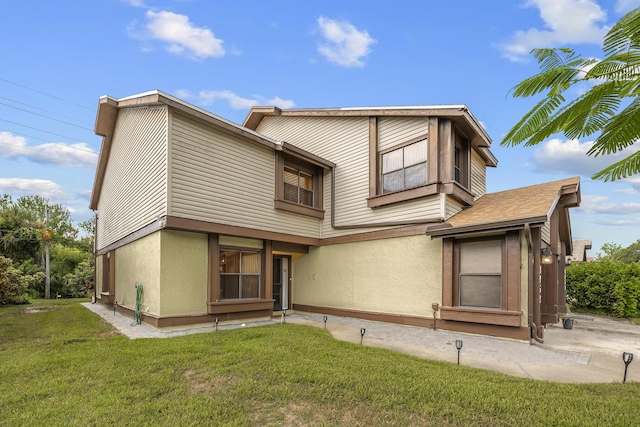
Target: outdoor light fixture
[[626, 358], [324, 319], [459, 347], [547, 256], [362, 331], [284, 314], [217, 320]]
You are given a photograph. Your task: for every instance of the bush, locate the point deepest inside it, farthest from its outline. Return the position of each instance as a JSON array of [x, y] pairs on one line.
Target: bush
[[14, 284], [606, 287], [78, 283]]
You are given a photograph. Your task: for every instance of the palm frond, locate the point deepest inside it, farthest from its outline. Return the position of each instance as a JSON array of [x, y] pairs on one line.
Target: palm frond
[[624, 34], [621, 131], [536, 118], [625, 168]]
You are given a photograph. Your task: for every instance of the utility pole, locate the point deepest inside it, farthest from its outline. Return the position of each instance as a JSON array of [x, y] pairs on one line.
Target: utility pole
[[47, 236]]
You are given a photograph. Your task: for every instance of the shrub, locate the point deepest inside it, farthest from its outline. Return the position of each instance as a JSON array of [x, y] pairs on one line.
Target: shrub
[[606, 287], [14, 284]]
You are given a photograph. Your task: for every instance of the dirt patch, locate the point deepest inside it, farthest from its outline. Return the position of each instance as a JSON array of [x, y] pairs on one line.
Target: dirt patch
[[31, 310], [112, 333], [200, 383]]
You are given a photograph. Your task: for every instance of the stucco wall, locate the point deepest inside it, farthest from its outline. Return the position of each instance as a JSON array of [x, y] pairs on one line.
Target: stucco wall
[[183, 273], [139, 262], [399, 276], [98, 287]]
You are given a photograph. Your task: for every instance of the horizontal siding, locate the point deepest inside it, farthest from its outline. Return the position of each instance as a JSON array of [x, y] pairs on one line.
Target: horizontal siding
[[221, 178], [345, 142], [478, 175], [451, 207], [546, 232], [397, 130], [134, 187]]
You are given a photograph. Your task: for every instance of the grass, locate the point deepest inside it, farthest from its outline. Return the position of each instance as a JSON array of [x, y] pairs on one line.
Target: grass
[[63, 365]]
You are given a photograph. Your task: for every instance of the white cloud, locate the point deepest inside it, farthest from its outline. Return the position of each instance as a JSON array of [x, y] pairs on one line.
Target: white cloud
[[624, 6], [135, 3], [565, 22], [54, 153], [561, 156], [599, 204], [343, 43], [208, 97], [41, 187], [181, 36]]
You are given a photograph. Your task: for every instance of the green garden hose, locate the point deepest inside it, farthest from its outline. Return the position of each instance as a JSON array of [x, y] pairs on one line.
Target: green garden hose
[[136, 312]]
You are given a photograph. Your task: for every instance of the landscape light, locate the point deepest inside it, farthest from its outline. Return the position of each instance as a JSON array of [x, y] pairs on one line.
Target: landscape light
[[362, 331], [217, 320], [459, 347], [284, 314], [324, 319], [626, 358]]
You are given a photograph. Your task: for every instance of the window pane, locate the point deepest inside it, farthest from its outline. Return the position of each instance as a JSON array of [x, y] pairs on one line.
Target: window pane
[[290, 176], [483, 256], [306, 181], [415, 175], [229, 261], [392, 181], [250, 262], [291, 193], [250, 286], [306, 197], [481, 291], [415, 153], [229, 288], [392, 161]]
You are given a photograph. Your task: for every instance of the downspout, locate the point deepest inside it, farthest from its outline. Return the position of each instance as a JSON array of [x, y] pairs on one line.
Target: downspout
[[532, 278], [95, 247], [369, 225]]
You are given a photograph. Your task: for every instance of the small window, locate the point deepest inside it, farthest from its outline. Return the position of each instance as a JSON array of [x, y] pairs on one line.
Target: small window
[[404, 167], [239, 274], [457, 164], [480, 281], [298, 186]]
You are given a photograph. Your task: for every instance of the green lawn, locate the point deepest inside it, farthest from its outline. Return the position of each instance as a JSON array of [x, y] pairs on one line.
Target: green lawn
[[63, 365]]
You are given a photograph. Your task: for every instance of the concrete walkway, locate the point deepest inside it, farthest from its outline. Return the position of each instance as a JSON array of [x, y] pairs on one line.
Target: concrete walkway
[[590, 352]]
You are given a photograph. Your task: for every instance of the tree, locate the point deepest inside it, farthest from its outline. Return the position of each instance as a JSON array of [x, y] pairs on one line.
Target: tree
[[615, 252], [611, 107]]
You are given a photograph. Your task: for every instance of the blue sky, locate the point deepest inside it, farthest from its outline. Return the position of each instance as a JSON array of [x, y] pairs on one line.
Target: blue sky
[[59, 57]]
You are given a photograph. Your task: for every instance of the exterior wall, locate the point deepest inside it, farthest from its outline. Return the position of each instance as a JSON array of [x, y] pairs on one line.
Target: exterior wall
[[139, 262], [183, 273], [345, 142], [135, 180], [452, 207], [524, 280], [399, 276], [478, 175], [99, 272], [396, 130], [215, 176], [546, 233]]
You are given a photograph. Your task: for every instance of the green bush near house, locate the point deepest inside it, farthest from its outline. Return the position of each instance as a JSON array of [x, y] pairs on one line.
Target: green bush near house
[[605, 287], [63, 365]]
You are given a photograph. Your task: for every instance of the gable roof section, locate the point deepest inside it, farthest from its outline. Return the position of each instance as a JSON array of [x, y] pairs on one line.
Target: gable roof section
[[511, 208], [460, 115], [107, 114]]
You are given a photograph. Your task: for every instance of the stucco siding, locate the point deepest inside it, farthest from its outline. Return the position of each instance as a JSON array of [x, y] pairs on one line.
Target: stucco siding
[[99, 273], [184, 273], [222, 178], [397, 130], [478, 175], [139, 262], [345, 141], [399, 276], [135, 181]]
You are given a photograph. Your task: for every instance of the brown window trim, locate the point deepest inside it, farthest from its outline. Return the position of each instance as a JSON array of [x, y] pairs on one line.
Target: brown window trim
[[315, 211], [403, 195], [510, 312]]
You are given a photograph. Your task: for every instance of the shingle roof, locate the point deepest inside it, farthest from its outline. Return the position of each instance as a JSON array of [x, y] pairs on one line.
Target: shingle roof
[[535, 201]]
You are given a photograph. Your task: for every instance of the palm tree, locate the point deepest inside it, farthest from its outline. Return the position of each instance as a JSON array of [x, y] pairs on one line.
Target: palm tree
[[610, 108]]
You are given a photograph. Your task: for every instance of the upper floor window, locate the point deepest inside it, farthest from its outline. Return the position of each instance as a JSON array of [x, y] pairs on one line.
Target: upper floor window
[[461, 160], [404, 167], [298, 186]]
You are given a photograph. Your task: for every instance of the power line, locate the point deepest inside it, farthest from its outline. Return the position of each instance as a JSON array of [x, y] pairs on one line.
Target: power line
[[41, 130], [46, 94], [46, 140], [42, 109], [46, 117]]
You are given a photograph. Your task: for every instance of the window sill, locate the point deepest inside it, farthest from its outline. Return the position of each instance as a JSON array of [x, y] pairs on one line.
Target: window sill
[[458, 192], [479, 315], [402, 195], [285, 205], [237, 306]]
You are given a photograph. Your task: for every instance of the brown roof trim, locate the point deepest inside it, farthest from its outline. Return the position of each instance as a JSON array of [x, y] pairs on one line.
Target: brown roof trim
[[105, 122], [446, 230]]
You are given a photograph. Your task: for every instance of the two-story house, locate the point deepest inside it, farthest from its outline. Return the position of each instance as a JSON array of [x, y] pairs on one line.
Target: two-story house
[[376, 212]]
